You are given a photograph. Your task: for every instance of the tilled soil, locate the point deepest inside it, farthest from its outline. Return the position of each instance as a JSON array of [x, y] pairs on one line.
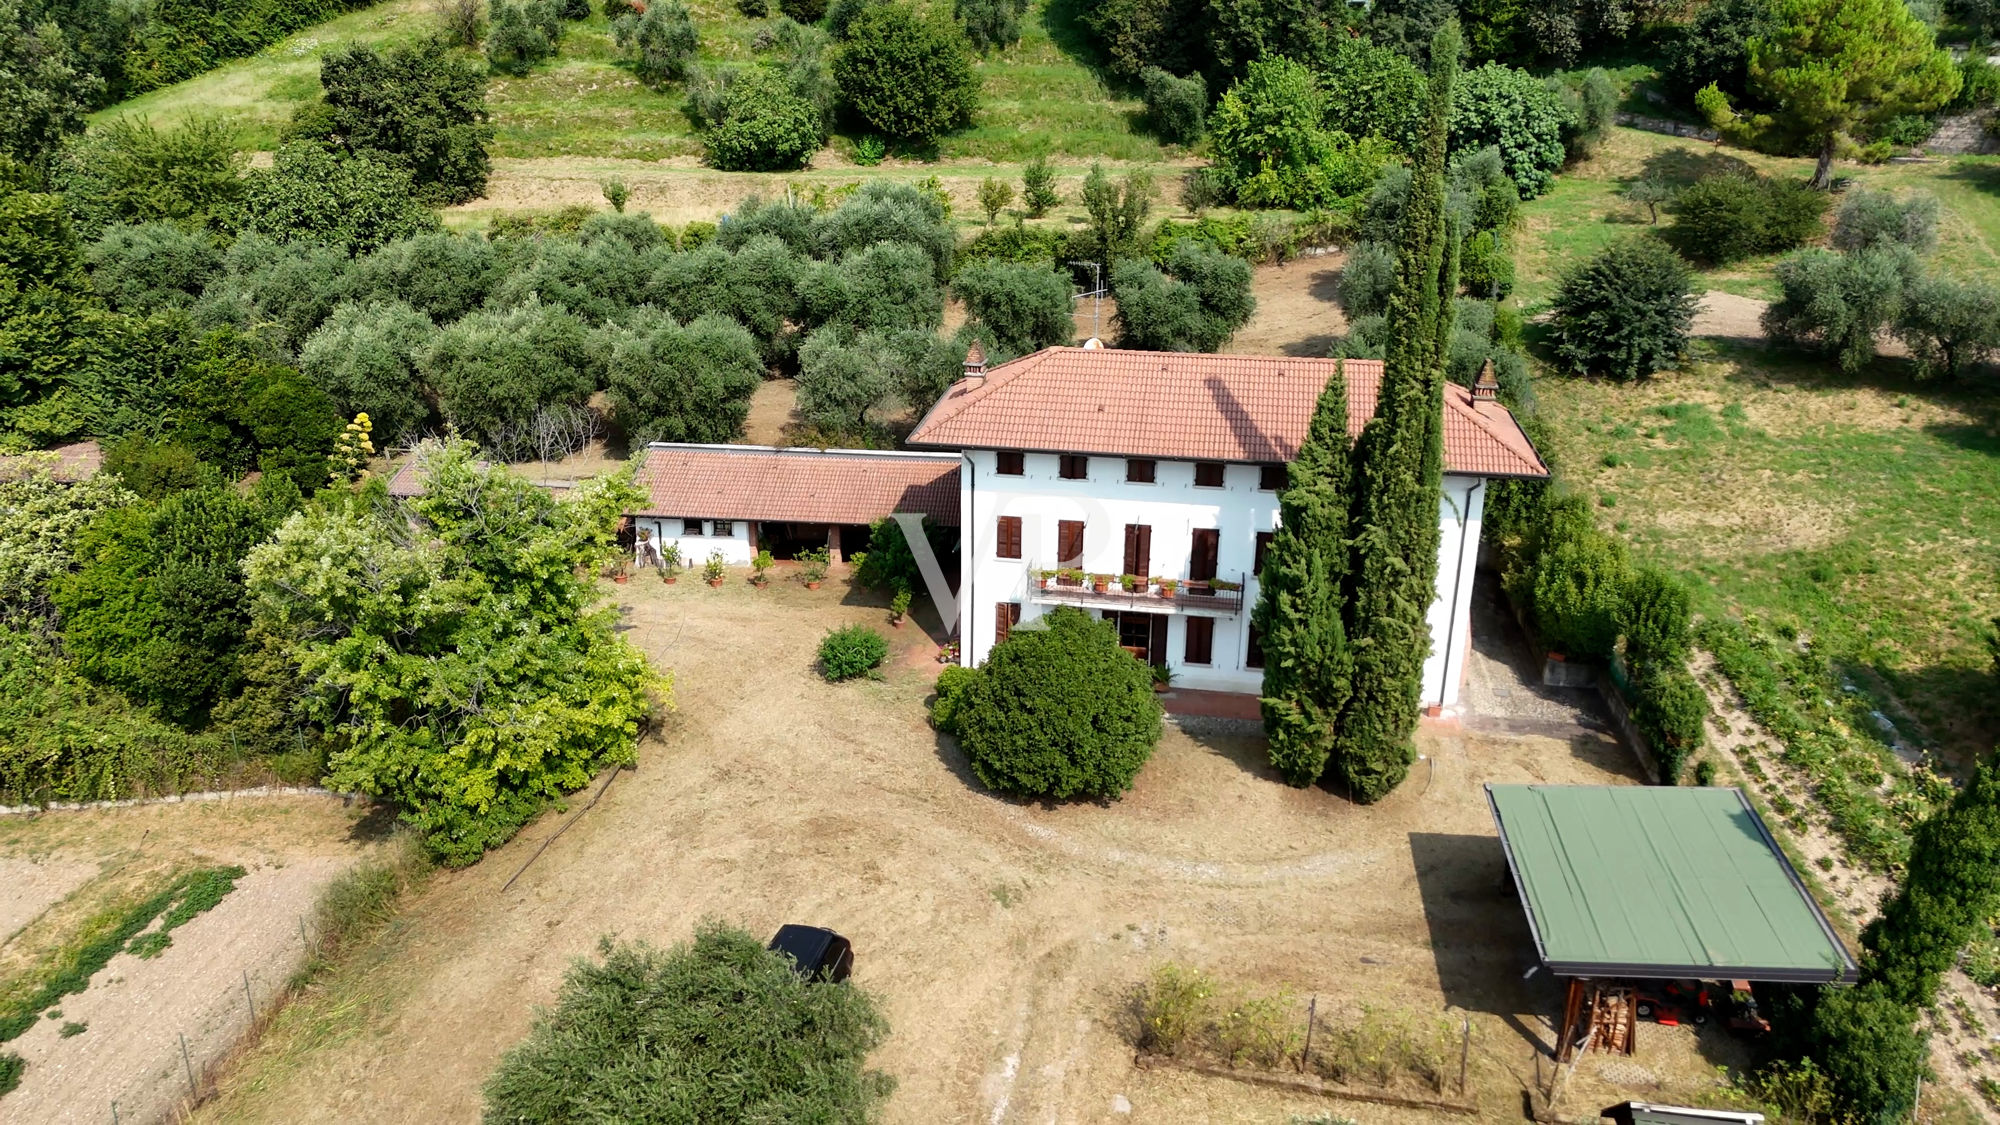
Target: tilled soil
[[1002, 938]]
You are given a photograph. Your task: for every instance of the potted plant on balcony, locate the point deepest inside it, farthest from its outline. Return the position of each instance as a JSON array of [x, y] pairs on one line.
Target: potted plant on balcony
[[1069, 576], [1223, 586], [1167, 586], [1048, 577], [670, 563], [813, 565], [1132, 583], [712, 570], [760, 568], [1100, 582]]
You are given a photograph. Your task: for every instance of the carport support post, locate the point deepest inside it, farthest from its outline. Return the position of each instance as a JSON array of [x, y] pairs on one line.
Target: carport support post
[[833, 543]]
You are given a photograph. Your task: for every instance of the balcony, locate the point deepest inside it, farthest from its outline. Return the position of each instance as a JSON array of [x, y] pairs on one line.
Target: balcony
[[1192, 597]]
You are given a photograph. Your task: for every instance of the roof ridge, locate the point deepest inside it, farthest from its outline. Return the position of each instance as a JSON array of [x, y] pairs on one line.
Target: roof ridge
[[949, 406], [1462, 400]]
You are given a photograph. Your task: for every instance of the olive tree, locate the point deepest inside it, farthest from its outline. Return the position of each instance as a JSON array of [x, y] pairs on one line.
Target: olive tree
[[673, 383], [1025, 307], [494, 368], [365, 358], [1195, 305]]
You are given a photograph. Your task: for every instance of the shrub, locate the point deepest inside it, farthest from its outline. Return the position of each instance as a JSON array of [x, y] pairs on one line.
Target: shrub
[[1950, 326], [516, 41], [991, 24], [494, 368], [416, 107], [952, 682], [442, 275], [1578, 584], [1625, 313], [1271, 148], [1038, 187], [1869, 219], [1512, 109], [803, 11], [661, 43], [1837, 304], [1367, 279], [908, 75], [353, 204], [1669, 708], [128, 171], [889, 564], [1485, 266], [1655, 617], [1026, 307], [717, 1029], [1020, 244], [1870, 1050], [667, 382], [1724, 218], [365, 358], [1176, 106], [851, 652], [144, 269], [1060, 711], [1592, 105], [1372, 91], [1174, 1008], [763, 127], [1195, 307], [994, 196]]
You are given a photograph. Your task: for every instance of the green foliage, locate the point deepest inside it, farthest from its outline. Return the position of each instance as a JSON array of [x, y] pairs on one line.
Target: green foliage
[[888, 286], [1060, 711], [1176, 106], [157, 469], [661, 44], [1714, 47], [852, 652], [516, 40], [1577, 586], [1655, 617], [493, 369], [1134, 34], [1025, 307], [991, 24], [952, 682], [420, 108], [1870, 220], [196, 894], [994, 196], [1592, 103], [128, 171], [365, 358], [757, 286], [1038, 187], [353, 203], [1116, 211], [1515, 111], [1869, 1048], [672, 383], [441, 275], [11, 1067], [1400, 468], [1020, 244], [41, 520], [44, 92], [718, 1029], [1307, 664], [1195, 306], [1950, 326], [1625, 313], [889, 563], [1669, 708], [889, 211], [1271, 148], [1722, 218], [1367, 279], [1837, 304], [1950, 889], [449, 646], [844, 380], [1372, 91], [157, 607], [906, 73], [763, 126], [143, 269]]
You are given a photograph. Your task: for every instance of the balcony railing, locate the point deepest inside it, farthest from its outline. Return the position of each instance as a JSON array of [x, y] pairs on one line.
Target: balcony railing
[[1190, 597]]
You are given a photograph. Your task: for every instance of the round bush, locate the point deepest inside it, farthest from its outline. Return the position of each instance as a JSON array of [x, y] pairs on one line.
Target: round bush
[[765, 127], [1723, 218], [852, 652], [908, 75], [1626, 312], [1060, 711]]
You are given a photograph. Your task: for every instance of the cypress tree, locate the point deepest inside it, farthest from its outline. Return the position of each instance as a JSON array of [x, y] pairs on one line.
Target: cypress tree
[[1299, 609], [1400, 461]]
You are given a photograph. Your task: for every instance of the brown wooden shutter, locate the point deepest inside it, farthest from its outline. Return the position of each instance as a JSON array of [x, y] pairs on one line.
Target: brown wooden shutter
[[1201, 560], [1009, 464], [1007, 538], [1005, 616], [1138, 549], [1255, 657], [1208, 474], [1157, 649], [1263, 545], [1200, 640], [1069, 543]]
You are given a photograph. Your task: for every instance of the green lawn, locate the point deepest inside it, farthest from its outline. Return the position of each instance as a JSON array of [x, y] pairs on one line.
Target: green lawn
[[1038, 97]]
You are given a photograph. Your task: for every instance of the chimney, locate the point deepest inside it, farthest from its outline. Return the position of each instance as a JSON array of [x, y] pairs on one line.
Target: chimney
[[1486, 388], [975, 364]]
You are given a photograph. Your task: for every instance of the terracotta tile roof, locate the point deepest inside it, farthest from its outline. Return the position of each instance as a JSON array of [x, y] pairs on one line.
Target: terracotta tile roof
[[756, 482], [1193, 406], [67, 463]]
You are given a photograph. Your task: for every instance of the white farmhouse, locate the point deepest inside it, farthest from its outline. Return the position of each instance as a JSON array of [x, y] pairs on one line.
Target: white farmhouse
[[1166, 465]]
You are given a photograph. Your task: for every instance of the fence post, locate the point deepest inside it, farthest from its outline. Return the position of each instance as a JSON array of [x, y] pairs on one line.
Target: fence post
[[247, 999], [187, 1064], [114, 1111], [1312, 1012], [1464, 1055]]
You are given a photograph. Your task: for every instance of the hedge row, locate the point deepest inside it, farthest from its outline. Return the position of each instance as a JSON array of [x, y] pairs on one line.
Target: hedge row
[[1262, 238]]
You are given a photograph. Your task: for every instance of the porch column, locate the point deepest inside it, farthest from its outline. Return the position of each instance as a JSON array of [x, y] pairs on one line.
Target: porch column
[[833, 542]]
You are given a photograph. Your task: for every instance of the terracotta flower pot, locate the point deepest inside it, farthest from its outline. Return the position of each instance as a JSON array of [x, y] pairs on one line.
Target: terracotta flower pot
[[620, 578], [670, 580], [715, 582], [812, 585], [1100, 587], [1166, 592]]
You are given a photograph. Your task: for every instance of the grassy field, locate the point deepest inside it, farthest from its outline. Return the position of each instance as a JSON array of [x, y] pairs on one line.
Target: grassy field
[[1859, 515], [1039, 96]]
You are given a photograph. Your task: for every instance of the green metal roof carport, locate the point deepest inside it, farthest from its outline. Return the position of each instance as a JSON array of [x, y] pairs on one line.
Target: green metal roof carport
[[1662, 882]]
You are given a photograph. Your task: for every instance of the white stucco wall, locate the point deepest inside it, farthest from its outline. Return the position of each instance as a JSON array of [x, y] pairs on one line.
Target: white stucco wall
[[1173, 506], [695, 549]]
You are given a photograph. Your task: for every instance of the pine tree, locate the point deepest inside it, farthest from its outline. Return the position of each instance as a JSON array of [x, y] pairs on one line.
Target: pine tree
[[1299, 611], [1400, 459]]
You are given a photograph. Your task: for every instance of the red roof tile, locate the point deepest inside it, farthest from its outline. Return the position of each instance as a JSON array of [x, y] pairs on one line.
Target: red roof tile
[[1193, 406], [754, 482]]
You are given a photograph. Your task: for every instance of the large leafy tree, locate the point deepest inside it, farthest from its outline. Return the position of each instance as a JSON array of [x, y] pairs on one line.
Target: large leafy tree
[[1307, 663], [450, 645], [675, 383], [1025, 307], [1832, 69], [157, 608], [352, 203], [130, 171], [1509, 108], [1195, 306], [421, 108], [493, 369], [1272, 148], [44, 90], [1400, 471], [719, 1029], [906, 73]]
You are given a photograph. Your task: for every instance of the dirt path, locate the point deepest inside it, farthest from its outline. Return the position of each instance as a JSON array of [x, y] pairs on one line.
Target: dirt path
[[135, 1010], [30, 886], [1000, 937], [1730, 317], [1296, 313]]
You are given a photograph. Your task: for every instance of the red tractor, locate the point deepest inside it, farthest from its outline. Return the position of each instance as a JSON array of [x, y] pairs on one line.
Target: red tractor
[[1672, 1003]]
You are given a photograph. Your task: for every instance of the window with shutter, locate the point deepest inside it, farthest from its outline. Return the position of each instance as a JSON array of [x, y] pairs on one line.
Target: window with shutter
[[1138, 549], [1011, 464], [1069, 543], [1006, 615], [1140, 470], [1263, 545], [1255, 657], [1075, 466], [1271, 478], [1007, 538], [1208, 474], [1200, 641], [1202, 555]]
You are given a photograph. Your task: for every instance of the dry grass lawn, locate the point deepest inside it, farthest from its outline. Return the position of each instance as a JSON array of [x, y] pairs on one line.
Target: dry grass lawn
[[1003, 938]]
